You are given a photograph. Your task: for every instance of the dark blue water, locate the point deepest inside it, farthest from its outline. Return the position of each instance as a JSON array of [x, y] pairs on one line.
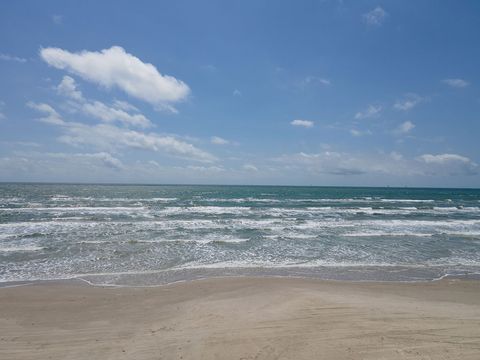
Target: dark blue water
[[156, 234]]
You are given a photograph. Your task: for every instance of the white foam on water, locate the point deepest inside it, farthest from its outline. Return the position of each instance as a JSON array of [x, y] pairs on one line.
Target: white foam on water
[[20, 248], [92, 209], [411, 233]]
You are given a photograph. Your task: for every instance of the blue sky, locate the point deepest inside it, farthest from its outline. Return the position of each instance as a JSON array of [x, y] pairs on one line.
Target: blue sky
[[241, 92]]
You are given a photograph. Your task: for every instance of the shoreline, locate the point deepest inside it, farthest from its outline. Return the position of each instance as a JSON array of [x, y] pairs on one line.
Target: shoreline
[[361, 274], [242, 317]]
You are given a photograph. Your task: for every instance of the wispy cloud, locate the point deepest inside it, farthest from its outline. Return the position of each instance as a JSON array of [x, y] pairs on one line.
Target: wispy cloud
[[98, 109], [375, 17], [358, 133], [370, 112], [107, 137], [452, 164], [456, 83], [390, 164], [8, 57], [303, 123], [408, 102], [250, 167], [312, 80], [51, 116], [237, 92], [217, 140], [405, 128]]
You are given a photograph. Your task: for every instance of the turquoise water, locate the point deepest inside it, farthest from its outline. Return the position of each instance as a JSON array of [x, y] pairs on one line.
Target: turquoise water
[[118, 234]]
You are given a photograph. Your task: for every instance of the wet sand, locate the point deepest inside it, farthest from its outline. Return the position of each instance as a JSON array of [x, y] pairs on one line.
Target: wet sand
[[242, 318]]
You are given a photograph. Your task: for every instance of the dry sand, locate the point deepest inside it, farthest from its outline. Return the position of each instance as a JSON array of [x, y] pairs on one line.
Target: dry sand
[[243, 318]]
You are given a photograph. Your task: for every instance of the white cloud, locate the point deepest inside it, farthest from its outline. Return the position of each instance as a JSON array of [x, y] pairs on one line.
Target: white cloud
[[206, 169], [405, 127], [237, 92], [68, 88], [250, 167], [370, 112], [109, 137], [374, 164], [453, 164], [116, 68], [106, 113], [105, 136], [124, 105], [217, 140], [7, 57], [443, 158], [311, 80], [396, 156], [456, 83], [327, 162], [99, 110], [357, 133], [375, 17], [102, 158], [408, 102], [52, 116], [303, 123]]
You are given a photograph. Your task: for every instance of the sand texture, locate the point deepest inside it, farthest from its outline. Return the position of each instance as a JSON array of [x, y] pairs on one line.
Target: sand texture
[[242, 318]]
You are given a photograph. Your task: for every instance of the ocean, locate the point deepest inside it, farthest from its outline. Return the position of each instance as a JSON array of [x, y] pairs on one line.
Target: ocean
[[149, 235]]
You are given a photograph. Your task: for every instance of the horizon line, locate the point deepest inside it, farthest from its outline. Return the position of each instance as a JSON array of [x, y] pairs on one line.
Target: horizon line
[[237, 185]]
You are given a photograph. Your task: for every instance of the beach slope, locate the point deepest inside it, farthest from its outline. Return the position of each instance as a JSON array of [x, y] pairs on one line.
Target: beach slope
[[242, 318]]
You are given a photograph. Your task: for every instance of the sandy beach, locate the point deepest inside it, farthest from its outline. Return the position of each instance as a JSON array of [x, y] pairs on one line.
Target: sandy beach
[[242, 318]]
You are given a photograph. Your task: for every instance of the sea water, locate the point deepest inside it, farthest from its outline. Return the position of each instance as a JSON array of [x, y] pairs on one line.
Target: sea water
[[148, 235]]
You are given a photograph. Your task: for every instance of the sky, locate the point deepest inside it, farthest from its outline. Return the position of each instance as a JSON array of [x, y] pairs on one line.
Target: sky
[[338, 93]]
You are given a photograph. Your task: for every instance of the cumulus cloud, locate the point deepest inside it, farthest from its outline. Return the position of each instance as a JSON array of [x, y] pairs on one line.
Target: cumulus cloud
[[456, 83], [302, 123], [405, 127], [8, 57], [408, 102], [370, 112], [375, 17], [115, 68], [68, 88], [217, 140]]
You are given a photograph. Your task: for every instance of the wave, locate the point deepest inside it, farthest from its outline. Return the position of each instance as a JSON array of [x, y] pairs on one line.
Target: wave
[[20, 248]]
